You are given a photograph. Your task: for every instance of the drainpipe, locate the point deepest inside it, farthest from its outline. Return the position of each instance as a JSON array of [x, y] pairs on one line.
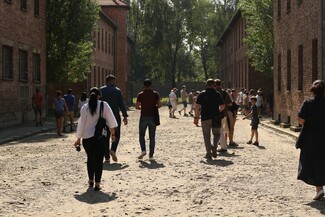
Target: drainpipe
[[321, 31]]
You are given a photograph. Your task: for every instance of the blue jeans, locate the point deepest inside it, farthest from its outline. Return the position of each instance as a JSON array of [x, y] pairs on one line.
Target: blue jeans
[[143, 124]]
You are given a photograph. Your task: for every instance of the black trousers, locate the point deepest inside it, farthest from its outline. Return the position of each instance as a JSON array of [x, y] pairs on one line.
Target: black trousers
[[95, 156]]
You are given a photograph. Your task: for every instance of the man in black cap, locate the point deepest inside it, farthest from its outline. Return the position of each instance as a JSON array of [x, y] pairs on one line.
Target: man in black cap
[[113, 96]]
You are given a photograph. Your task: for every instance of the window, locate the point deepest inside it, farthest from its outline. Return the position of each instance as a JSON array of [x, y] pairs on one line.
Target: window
[[102, 39], [300, 67], [288, 6], [279, 72], [98, 39], [23, 67], [314, 59], [279, 9], [7, 61], [289, 70], [109, 43], [23, 4], [105, 42], [36, 7], [94, 84], [36, 67]]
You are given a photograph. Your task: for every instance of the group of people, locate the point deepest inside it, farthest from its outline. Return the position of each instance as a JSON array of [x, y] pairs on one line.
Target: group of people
[[113, 105], [217, 110]]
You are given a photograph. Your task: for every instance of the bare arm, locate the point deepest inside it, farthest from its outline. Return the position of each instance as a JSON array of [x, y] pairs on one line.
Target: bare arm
[[301, 121], [138, 105]]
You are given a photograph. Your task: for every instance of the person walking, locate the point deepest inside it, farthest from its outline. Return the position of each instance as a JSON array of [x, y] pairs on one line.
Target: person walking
[[113, 96], [255, 121], [225, 125], [173, 102], [82, 101], [147, 100], [60, 107], [38, 104], [209, 103], [89, 115], [312, 161], [70, 99], [184, 96]]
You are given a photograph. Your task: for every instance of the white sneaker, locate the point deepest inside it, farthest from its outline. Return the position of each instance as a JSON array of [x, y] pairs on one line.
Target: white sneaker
[[142, 155]]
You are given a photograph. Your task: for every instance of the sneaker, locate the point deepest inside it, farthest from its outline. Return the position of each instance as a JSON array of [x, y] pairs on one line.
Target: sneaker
[[214, 151], [112, 153], [185, 115], [319, 195], [180, 113], [142, 155], [249, 142], [208, 156], [222, 150], [256, 143], [191, 114]]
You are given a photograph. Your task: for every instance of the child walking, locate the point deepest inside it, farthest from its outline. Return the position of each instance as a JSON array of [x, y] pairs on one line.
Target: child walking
[[255, 121]]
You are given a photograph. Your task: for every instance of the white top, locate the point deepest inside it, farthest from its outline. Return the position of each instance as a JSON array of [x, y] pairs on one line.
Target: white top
[[81, 103], [87, 122], [172, 97], [259, 100]]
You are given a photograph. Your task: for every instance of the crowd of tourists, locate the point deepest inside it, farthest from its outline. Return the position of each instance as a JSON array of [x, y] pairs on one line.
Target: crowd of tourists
[[99, 124]]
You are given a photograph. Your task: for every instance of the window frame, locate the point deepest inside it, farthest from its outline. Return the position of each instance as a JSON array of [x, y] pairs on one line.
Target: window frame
[[23, 5], [36, 8], [23, 66], [7, 71], [36, 67]]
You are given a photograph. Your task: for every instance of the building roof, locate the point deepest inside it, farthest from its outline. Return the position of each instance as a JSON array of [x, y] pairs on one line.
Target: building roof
[[233, 20], [115, 3], [108, 20]]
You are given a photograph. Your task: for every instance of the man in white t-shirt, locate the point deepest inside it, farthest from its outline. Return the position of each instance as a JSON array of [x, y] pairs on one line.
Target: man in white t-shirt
[[173, 102]]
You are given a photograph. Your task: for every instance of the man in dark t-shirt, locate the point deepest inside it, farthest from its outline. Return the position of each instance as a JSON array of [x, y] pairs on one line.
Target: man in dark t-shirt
[[209, 104], [147, 101]]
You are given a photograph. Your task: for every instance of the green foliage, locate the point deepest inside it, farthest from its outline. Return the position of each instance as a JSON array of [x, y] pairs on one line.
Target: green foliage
[[69, 40], [259, 29], [175, 40]]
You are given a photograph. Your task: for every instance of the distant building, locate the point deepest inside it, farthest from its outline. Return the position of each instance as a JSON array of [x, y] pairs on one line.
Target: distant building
[[298, 54], [235, 68], [22, 58], [114, 21]]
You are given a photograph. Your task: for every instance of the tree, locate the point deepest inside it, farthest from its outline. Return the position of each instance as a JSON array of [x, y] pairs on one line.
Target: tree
[[259, 29], [69, 40]]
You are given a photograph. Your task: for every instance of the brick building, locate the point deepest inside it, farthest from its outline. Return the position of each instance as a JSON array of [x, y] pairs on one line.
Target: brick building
[[117, 12], [235, 69], [298, 58], [22, 58]]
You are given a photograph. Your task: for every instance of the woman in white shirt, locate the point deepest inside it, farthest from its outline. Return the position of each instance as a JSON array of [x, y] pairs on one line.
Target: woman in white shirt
[[89, 115]]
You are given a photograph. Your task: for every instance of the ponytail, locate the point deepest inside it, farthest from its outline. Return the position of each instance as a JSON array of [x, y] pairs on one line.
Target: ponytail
[[94, 92]]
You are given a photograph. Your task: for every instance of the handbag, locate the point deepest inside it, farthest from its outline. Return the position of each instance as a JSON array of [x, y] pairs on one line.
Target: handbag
[[101, 127], [156, 111]]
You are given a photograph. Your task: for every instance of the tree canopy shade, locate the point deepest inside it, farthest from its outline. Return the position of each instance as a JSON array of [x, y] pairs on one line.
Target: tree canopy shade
[[69, 39], [259, 28], [175, 40]]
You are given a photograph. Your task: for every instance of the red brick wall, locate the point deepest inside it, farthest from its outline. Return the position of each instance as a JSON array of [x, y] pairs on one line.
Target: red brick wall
[[119, 16], [299, 26], [20, 29], [103, 54], [235, 70]]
